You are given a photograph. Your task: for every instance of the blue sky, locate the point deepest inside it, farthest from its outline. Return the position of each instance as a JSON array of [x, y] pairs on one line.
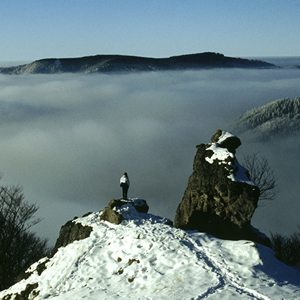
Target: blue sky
[[34, 29]]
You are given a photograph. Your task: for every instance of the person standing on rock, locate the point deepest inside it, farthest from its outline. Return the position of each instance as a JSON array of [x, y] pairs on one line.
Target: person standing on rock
[[124, 183]]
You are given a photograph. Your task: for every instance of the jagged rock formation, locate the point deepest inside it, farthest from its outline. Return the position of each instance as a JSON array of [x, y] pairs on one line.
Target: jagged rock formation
[[111, 215], [71, 232], [123, 63], [74, 231], [220, 198]]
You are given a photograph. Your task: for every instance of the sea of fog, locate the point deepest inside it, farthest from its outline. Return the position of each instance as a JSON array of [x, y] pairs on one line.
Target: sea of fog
[[68, 138], [281, 61]]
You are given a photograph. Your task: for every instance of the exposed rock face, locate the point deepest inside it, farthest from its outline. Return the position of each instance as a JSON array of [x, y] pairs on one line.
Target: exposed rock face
[[220, 198], [28, 293], [111, 215], [71, 232]]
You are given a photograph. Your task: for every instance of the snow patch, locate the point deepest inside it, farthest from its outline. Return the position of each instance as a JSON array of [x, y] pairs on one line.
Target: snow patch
[[237, 172], [218, 153], [225, 135], [130, 214]]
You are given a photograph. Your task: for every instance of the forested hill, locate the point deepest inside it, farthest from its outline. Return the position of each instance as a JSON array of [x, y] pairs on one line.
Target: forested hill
[[123, 63], [278, 118]]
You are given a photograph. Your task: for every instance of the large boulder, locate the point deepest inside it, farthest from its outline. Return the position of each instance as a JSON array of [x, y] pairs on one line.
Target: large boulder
[[111, 215], [220, 199]]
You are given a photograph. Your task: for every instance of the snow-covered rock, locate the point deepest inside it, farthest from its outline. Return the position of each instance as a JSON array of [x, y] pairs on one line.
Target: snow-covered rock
[[220, 198]]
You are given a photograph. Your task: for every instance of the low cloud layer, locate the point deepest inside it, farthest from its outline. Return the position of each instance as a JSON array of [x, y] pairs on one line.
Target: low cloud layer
[[67, 138]]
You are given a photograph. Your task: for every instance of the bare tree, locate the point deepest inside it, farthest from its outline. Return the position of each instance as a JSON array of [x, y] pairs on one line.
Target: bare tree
[[261, 173], [19, 247], [287, 248]]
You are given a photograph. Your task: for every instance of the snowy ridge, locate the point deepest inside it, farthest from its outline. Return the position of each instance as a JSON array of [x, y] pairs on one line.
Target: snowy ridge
[[279, 118], [143, 258]]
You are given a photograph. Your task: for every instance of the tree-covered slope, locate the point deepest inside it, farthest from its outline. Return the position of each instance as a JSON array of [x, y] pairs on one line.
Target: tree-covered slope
[[278, 118], [124, 63]]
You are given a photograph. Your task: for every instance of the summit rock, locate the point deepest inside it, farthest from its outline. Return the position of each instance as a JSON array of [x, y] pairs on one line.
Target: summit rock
[[220, 199]]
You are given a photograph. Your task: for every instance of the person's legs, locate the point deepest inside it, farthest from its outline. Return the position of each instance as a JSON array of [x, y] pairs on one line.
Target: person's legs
[[125, 189]]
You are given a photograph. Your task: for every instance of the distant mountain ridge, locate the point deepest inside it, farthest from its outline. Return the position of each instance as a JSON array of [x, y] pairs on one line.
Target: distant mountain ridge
[[278, 118], [124, 63]]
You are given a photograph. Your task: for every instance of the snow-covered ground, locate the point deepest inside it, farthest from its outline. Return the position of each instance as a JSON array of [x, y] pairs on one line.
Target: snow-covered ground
[[143, 258]]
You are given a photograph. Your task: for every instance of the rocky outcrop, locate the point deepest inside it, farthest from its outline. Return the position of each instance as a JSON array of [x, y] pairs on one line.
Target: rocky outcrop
[[71, 232], [220, 199], [111, 215], [28, 293]]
